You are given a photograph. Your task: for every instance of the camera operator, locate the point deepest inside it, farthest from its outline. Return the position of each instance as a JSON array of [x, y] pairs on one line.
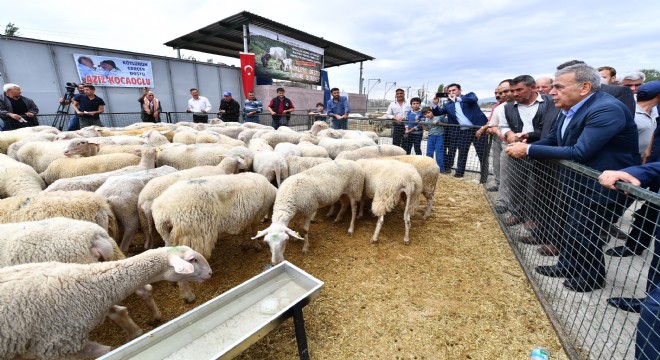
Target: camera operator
[[88, 107], [15, 110], [67, 99]]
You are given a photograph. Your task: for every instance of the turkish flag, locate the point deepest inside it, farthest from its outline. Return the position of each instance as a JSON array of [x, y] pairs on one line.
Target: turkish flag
[[247, 72]]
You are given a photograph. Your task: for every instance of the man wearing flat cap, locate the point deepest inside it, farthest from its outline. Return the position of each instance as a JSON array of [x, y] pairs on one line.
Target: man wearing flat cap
[[229, 108]]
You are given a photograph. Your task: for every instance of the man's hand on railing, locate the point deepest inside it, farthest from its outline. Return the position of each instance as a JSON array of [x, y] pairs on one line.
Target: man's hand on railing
[[517, 150], [609, 177]]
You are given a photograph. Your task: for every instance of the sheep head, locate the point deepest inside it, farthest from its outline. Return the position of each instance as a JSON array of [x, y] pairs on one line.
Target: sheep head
[[276, 236]]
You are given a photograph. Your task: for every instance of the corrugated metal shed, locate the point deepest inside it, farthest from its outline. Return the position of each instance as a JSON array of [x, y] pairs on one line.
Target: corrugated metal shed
[[226, 38]]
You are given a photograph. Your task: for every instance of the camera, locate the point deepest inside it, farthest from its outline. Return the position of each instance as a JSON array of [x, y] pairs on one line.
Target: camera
[[441, 95], [71, 88]]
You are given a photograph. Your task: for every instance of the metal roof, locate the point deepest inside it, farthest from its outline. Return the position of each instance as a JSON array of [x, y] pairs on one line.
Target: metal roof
[[226, 38]]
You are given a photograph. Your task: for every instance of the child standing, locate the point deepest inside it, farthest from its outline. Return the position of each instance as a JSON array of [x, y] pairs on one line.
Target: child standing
[[414, 131], [435, 140], [319, 115]]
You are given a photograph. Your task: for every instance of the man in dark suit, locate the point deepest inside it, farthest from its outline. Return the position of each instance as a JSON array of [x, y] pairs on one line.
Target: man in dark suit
[[467, 114], [647, 341], [595, 130]]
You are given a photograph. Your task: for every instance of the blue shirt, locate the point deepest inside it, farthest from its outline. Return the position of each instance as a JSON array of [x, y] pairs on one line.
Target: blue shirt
[[250, 106], [412, 119], [338, 108], [460, 117], [571, 112]]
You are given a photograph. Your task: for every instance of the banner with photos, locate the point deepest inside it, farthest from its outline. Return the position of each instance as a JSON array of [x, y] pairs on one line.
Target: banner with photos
[[113, 71]]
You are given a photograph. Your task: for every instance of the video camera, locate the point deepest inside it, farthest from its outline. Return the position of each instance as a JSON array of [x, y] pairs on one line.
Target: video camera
[[441, 95], [71, 87]]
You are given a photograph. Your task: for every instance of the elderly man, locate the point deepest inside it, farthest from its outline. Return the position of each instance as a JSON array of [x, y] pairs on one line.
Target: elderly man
[[633, 80], [544, 85], [16, 110], [597, 131], [150, 107], [396, 111], [199, 106]]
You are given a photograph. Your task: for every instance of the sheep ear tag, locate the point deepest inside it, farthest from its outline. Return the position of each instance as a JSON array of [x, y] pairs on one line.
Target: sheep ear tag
[[180, 266]]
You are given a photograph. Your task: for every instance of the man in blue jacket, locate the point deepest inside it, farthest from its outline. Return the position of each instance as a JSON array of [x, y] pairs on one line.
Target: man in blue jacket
[[462, 110], [647, 341], [595, 130]]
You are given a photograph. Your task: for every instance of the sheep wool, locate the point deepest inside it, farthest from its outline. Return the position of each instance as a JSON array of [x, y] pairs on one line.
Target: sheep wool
[[48, 309], [72, 167]]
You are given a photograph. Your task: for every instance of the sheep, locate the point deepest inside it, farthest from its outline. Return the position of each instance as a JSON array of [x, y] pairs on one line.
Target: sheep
[[385, 182], [40, 154], [155, 137], [92, 182], [71, 167], [9, 137], [304, 193], [208, 136], [335, 146], [318, 126], [259, 144], [248, 125], [231, 131], [246, 135], [358, 134], [184, 136], [196, 212], [18, 179], [81, 205], [70, 241], [61, 303], [13, 148], [122, 193], [187, 156], [286, 63], [369, 152], [228, 165], [276, 137], [271, 165], [309, 149], [429, 171], [286, 149], [299, 164]]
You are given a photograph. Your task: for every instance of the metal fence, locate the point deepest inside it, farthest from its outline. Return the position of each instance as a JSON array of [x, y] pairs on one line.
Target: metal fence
[[553, 213], [557, 213]]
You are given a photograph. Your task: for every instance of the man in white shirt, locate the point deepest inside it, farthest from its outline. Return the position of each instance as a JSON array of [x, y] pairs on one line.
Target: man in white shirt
[[199, 106], [397, 112]]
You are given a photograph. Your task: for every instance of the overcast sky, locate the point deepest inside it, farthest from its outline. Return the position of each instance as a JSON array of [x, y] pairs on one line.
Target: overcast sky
[[416, 43]]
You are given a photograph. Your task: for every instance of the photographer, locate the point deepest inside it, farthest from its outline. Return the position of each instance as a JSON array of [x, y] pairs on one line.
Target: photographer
[[67, 99], [15, 110], [89, 107]]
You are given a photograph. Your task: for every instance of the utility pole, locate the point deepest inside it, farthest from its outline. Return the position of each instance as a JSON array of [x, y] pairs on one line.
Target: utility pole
[[388, 88]]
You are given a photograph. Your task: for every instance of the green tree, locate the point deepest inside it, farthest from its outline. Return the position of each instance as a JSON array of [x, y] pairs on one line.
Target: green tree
[[11, 30], [651, 74]]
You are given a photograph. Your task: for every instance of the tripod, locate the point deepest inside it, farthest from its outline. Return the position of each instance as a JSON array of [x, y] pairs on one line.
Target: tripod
[[62, 113]]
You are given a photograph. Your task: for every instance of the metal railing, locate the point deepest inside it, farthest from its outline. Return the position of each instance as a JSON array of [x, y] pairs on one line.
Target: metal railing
[[549, 206]]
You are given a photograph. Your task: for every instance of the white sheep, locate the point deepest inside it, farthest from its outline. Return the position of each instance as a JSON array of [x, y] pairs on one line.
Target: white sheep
[[188, 156], [429, 171], [249, 125], [317, 126], [153, 189], [299, 164], [246, 135], [196, 212], [40, 154], [13, 148], [9, 137], [286, 149], [17, 179], [231, 131], [122, 193], [80, 205], [386, 182], [271, 165], [212, 137], [308, 191], [335, 146], [92, 182], [71, 167], [369, 152], [60, 304], [155, 137], [276, 137], [69, 241]]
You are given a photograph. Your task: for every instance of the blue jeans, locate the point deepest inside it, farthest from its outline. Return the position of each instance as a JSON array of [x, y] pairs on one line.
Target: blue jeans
[[340, 124], [73, 124], [435, 144]]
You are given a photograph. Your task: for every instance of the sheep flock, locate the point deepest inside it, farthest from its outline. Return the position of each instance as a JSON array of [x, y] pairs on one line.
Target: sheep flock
[[72, 203]]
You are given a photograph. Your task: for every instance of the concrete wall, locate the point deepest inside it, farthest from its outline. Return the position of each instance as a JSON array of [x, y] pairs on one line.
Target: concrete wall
[[306, 99], [42, 68]]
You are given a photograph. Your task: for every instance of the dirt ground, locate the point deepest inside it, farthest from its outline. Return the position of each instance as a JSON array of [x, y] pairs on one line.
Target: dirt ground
[[457, 292]]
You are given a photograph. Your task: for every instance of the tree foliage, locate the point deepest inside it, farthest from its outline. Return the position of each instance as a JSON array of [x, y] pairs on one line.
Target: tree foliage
[[441, 88], [651, 74], [11, 30]]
